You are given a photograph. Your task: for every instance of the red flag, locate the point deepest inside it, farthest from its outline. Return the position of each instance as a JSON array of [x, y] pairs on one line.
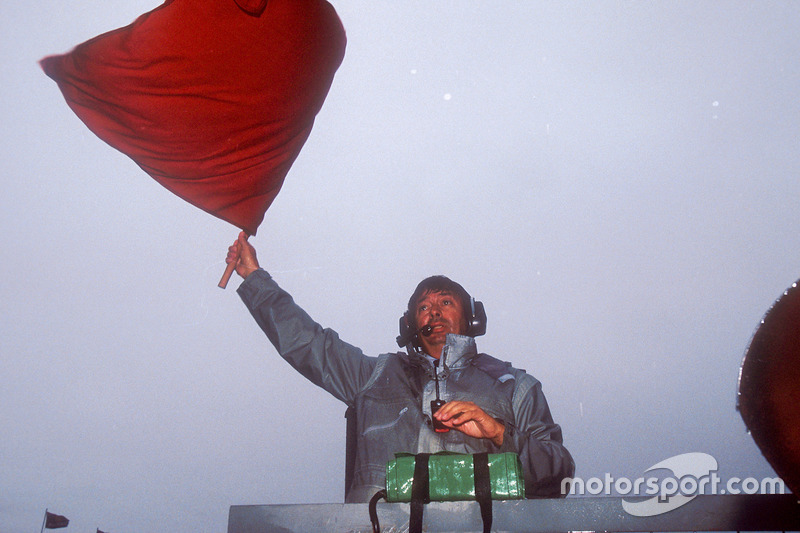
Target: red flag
[[212, 98], [55, 521]]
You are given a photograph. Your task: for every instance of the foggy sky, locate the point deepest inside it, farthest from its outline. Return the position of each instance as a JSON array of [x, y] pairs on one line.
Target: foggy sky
[[616, 181]]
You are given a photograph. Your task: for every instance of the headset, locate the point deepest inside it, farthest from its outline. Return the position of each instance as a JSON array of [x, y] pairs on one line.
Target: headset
[[476, 325]]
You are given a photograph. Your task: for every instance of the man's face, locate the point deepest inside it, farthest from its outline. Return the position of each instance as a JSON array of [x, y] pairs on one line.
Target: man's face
[[443, 312]]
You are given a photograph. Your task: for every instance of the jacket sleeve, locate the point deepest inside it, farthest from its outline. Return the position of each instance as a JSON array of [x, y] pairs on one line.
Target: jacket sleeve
[[537, 439], [316, 352]]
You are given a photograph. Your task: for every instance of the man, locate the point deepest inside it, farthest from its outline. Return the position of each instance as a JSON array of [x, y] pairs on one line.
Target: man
[[490, 406]]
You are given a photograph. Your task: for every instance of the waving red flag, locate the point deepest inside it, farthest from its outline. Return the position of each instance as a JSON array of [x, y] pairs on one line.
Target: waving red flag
[[212, 98], [54, 521]]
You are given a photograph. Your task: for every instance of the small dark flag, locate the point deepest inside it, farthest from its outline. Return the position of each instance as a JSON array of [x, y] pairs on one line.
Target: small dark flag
[[55, 521], [100, 530]]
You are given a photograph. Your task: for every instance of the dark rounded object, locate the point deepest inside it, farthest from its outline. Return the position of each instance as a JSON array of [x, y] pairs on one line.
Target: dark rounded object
[[769, 387]]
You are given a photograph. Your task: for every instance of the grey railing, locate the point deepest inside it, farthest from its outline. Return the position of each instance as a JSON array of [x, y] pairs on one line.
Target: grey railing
[[758, 512]]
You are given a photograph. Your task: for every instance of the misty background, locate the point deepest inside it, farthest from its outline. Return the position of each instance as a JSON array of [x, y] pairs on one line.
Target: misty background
[[616, 181]]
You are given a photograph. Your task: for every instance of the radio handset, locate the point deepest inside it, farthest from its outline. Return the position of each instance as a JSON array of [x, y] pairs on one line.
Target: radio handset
[[438, 427]]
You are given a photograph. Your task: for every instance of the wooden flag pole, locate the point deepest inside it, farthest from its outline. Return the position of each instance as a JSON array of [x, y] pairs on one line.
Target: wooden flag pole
[[44, 521], [226, 276]]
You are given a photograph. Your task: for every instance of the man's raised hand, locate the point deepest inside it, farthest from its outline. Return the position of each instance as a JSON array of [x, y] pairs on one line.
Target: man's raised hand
[[242, 254]]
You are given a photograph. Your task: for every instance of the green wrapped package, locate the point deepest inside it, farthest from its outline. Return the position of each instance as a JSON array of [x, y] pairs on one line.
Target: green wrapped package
[[452, 478]]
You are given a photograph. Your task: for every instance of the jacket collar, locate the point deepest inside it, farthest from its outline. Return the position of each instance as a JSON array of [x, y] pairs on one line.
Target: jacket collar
[[457, 352]]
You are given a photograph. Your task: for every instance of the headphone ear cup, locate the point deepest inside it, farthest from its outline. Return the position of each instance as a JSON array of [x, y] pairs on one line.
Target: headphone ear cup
[[405, 331], [477, 323]]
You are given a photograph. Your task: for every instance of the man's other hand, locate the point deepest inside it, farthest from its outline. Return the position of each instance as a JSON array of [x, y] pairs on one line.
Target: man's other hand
[[471, 420]]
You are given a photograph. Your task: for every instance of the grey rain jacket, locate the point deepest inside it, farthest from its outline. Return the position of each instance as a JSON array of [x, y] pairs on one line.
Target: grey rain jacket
[[391, 395]]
